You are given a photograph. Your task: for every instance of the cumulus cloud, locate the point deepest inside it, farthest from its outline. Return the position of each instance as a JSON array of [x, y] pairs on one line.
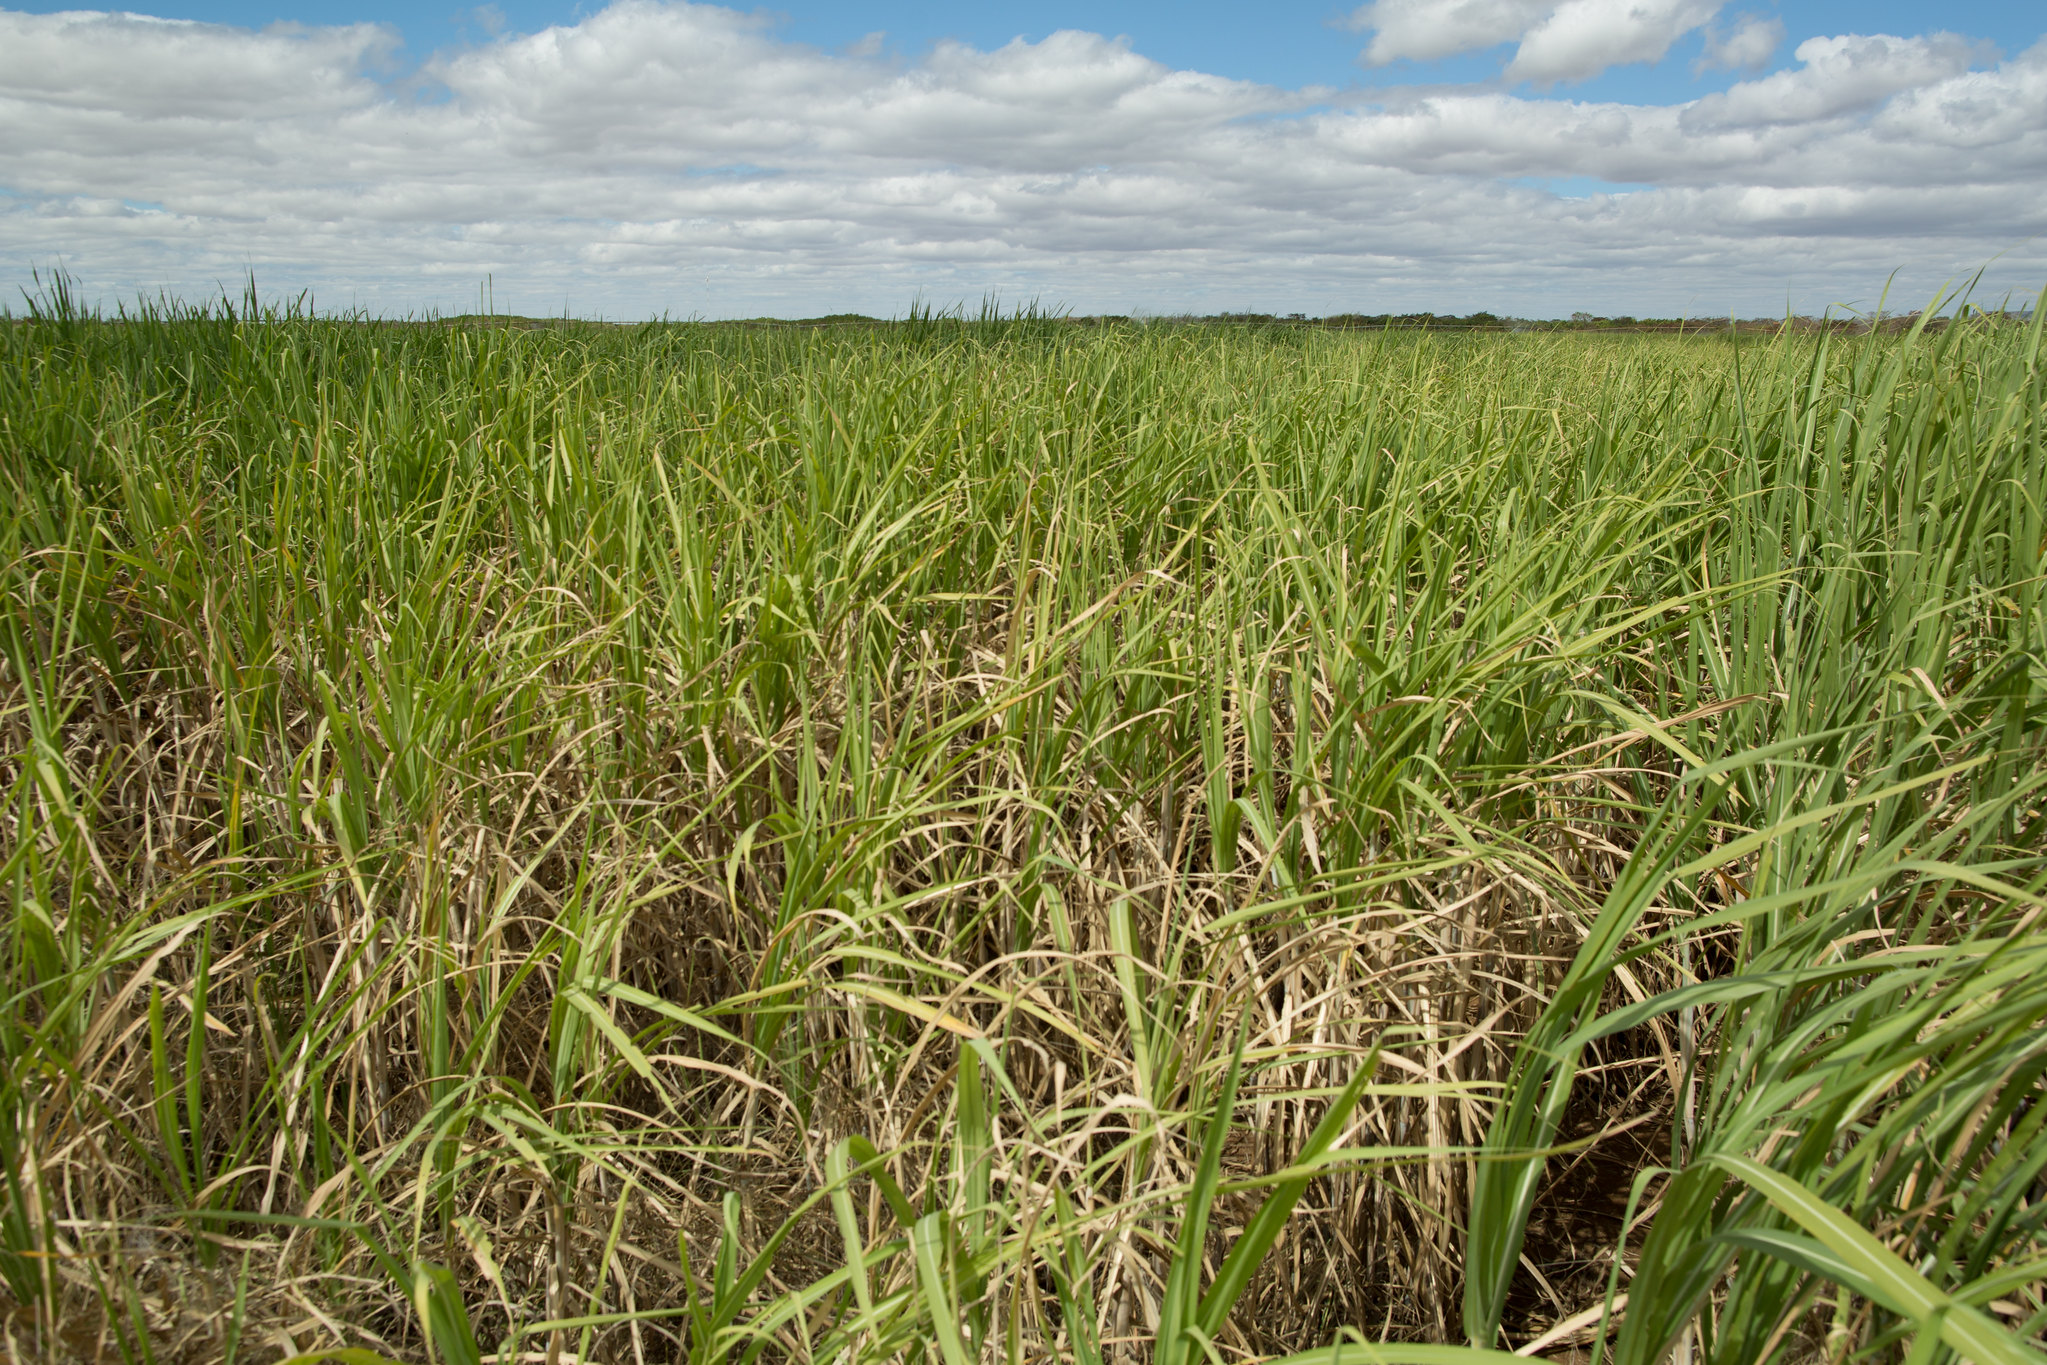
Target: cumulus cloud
[[1571, 40], [685, 158], [1581, 38], [173, 70], [1752, 41], [1429, 30], [1838, 76]]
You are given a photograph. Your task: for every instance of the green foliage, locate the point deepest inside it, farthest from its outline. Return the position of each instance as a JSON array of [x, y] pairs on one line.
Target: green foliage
[[983, 837]]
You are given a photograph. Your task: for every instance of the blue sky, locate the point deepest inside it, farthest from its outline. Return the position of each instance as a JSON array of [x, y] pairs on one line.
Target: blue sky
[[1522, 155], [1279, 42]]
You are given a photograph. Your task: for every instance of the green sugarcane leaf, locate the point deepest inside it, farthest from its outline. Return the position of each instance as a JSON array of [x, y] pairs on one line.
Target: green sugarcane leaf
[[440, 1306], [1887, 1279], [927, 1245], [1179, 1306], [1258, 1236]]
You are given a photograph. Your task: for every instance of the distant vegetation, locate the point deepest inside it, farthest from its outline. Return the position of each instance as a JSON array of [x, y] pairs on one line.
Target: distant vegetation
[[1008, 841], [1852, 324]]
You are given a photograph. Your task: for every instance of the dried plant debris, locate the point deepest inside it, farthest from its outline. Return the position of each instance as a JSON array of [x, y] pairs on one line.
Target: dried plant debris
[[989, 840]]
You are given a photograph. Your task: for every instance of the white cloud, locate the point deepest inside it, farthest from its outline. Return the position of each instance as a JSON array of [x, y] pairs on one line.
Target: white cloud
[[1559, 40], [1581, 38], [1839, 76], [683, 158], [1429, 30], [175, 69], [1752, 41]]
